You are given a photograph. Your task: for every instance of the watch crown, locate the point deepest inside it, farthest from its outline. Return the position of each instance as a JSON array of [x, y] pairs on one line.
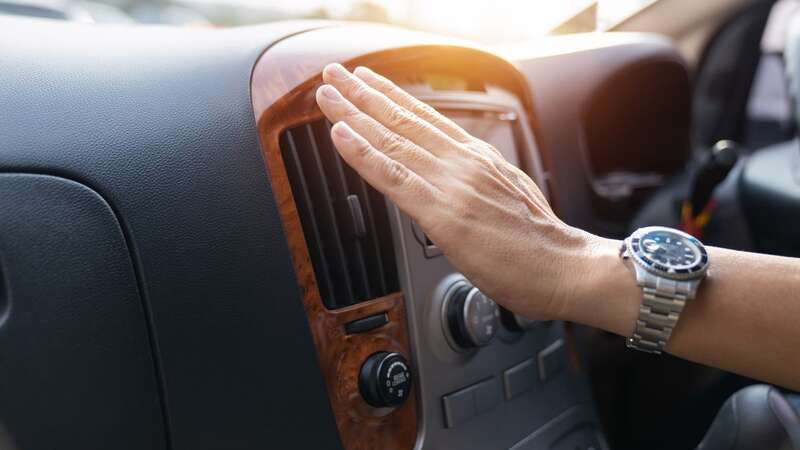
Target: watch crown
[[623, 250]]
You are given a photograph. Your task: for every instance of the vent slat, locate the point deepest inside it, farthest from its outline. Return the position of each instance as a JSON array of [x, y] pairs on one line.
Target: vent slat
[[349, 240], [372, 232], [337, 200], [385, 244], [332, 246], [358, 270], [371, 248], [305, 208]]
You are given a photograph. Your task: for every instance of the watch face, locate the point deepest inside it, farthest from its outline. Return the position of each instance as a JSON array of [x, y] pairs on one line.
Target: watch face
[[669, 252]]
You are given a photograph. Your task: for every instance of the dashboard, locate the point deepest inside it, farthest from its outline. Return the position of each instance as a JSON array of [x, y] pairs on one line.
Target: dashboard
[[475, 383], [264, 295]]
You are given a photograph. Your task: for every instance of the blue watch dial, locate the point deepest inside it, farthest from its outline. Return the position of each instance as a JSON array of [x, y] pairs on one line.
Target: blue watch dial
[[669, 251]]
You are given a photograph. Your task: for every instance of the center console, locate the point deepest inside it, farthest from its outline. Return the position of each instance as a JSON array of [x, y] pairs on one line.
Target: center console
[[488, 377], [413, 354]]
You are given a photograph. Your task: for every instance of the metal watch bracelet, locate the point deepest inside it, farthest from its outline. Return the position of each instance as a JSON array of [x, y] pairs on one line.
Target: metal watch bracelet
[[662, 302]]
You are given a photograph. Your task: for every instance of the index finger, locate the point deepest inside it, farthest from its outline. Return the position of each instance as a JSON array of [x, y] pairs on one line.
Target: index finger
[[393, 116], [411, 103]]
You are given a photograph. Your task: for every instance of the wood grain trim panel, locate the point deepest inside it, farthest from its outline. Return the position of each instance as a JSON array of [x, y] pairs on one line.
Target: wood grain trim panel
[[283, 85], [361, 427]]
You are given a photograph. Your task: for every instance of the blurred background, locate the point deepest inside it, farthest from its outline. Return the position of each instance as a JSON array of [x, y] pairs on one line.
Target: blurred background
[[491, 22]]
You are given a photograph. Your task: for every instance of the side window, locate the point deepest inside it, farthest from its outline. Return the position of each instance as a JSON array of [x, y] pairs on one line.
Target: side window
[[769, 118]]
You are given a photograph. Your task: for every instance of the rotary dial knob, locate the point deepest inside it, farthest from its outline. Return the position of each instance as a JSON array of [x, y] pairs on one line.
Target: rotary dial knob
[[385, 380], [471, 318], [515, 322]]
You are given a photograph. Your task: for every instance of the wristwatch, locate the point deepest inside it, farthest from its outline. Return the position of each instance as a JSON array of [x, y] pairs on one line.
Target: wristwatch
[[669, 266]]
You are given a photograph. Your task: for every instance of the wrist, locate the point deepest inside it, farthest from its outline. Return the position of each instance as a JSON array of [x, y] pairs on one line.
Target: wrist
[[605, 293]]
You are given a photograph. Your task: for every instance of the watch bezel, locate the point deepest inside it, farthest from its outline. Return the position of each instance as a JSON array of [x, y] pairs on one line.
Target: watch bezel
[[695, 271]]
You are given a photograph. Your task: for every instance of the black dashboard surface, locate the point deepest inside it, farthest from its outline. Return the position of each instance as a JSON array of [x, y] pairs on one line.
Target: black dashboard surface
[[160, 124], [73, 338], [157, 124]]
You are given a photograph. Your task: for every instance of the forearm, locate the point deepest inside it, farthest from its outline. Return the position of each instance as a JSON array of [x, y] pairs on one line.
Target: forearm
[[745, 318]]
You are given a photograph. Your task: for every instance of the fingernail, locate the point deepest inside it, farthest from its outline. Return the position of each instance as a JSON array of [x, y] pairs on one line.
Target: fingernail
[[330, 92], [365, 73], [344, 131], [336, 71]]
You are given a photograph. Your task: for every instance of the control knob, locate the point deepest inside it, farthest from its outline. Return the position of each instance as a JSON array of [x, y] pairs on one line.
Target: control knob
[[515, 322], [385, 380], [471, 319]]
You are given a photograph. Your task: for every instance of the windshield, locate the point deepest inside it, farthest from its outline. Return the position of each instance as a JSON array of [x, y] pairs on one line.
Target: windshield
[[495, 21]]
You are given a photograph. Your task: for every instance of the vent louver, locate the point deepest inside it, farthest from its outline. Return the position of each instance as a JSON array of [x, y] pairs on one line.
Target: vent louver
[[344, 220]]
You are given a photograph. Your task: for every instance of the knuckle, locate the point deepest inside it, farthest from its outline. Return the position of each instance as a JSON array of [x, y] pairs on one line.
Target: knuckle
[[483, 148], [494, 152], [360, 94], [396, 173], [480, 171], [423, 109], [389, 88], [362, 149], [474, 147], [400, 118], [352, 115], [483, 163], [392, 143]]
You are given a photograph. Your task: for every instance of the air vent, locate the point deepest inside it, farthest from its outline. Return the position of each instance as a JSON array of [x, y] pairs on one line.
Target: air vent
[[344, 220]]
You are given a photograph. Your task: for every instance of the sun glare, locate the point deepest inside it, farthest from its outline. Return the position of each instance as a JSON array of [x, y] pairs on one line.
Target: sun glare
[[490, 20], [502, 20]]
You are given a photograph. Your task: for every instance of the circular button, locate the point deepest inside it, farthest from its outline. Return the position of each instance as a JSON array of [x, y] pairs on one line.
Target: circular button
[[472, 318], [385, 380]]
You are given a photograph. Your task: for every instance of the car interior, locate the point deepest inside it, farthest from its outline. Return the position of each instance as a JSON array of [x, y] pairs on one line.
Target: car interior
[[186, 262]]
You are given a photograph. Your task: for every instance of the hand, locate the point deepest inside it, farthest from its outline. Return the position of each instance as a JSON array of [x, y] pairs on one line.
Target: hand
[[487, 216]]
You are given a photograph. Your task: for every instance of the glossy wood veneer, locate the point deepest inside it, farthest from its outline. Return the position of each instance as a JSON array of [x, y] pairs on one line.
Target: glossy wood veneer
[[283, 85]]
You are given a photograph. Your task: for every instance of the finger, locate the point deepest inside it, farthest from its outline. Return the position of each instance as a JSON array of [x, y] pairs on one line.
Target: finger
[[338, 109], [429, 114], [423, 110], [390, 114], [411, 103], [412, 194]]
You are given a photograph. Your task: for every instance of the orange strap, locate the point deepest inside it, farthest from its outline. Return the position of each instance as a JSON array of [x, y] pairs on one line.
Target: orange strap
[[694, 225]]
